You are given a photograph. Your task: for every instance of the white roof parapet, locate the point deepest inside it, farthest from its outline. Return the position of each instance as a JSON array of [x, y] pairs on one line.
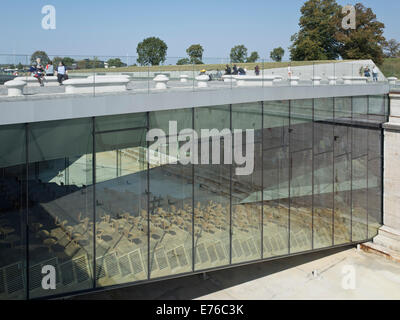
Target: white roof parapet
[[229, 78], [101, 85], [250, 81], [15, 87], [354, 80]]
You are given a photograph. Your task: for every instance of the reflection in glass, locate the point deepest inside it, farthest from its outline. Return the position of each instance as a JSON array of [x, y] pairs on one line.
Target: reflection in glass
[[301, 124], [246, 189], [275, 178], [359, 183], [121, 207], [323, 172], [12, 213], [171, 207], [212, 190], [60, 204]]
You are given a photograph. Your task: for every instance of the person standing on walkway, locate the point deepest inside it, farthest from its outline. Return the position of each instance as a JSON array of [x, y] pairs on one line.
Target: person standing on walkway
[[375, 74]]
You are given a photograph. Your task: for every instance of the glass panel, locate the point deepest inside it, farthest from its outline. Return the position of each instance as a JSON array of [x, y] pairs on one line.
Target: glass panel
[[171, 203], [301, 127], [246, 188], [212, 190], [374, 182], [342, 176], [377, 108], [323, 172], [121, 206], [343, 109], [323, 200], [118, 122], [359, 183], [276, 178], [360, 108], [12, 213], [61, 204]]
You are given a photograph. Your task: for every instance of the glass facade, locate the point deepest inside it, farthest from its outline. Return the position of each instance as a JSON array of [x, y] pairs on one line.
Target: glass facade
[[91, 198]]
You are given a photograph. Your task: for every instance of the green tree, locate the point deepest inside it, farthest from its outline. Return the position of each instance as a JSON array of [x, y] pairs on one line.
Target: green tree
[[183, 61], [116, 63], [44, 58], [392, 49], [366, 41], [277, 54], [57, 60], [319, 22], [253, 57], [151, 51], [238, 54], [68, 61], [195, 53], [20, 66]]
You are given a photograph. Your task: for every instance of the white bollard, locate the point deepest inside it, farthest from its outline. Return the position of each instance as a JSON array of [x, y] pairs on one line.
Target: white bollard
[[202, 81], [316, 81], [161, 81], [15, 87], [332, 80], [184, 78], [294, 81], [392, 81]]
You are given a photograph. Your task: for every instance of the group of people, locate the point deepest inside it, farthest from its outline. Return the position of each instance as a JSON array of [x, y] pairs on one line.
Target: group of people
[[39, 72], [367, 73], [235, 70]]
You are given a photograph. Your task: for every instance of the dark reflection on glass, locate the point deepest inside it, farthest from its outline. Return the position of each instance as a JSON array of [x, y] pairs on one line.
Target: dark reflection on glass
[[121, 205], [342, 170], [359, 183], [60, 204], [276, 178], [171, 208], [212, 189], [12, 213], [323, 172], [246, 189], [301, 128], [374, 182]]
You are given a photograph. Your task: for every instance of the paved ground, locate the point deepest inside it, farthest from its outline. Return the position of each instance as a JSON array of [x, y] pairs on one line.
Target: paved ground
[[289, 278]]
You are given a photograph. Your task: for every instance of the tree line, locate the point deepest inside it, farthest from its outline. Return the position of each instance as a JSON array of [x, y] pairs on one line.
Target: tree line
[[321, 37]]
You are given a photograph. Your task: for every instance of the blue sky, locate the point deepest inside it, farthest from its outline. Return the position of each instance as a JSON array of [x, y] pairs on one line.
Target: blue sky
[[104, 28]]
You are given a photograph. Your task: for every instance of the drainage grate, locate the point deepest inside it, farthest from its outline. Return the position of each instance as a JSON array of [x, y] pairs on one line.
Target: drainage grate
[[180, 252], [220, 251], [202, 253], [100, 272], [111, 263], [14, 278], [246, 249], [81, 269], [252, 247], [124, 265], [212, 253], [173, 261], [67, 273], [238, 248], [136, 261], [161, 259]]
